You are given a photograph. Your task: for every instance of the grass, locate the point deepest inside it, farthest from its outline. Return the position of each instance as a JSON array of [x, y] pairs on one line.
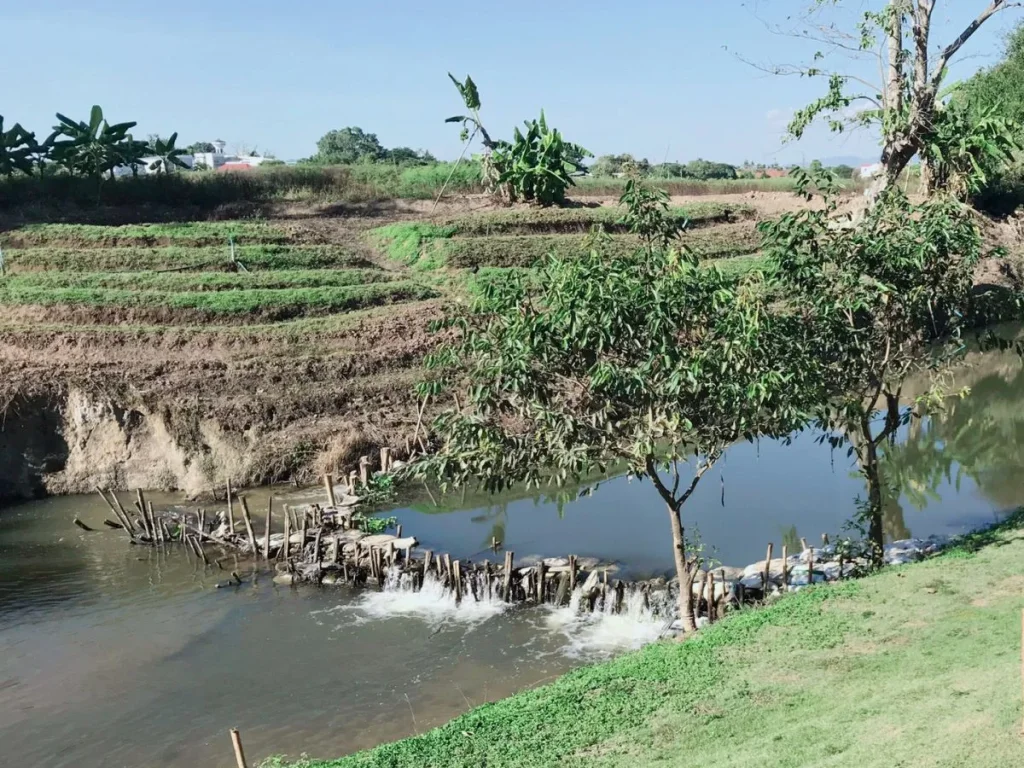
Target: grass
[[918, 665], [202, 281], [253, 257], [177, 233], [281, 304]]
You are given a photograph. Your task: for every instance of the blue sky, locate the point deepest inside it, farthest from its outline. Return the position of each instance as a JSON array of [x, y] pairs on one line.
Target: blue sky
[[658, 79]]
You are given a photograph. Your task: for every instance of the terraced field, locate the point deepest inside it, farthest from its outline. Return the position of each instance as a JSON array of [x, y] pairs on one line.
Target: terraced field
[[521, 238], [175, 355]]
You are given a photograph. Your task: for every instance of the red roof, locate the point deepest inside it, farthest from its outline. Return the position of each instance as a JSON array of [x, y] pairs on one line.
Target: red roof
[[236, 167]]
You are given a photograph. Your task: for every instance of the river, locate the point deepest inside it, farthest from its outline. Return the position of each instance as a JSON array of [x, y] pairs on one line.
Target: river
[[113, 655]]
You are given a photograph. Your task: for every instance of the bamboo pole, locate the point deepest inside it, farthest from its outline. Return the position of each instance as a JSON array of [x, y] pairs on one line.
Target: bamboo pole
[[711, 597], [810, 567], [364, 470], [427, 557], [572, 573], [785, 566], [266, 529], [542, 572], [123, 519], [236, 743], [152, 521], [457, 576], [286, 549], [316, 543], [767, 568], [302, 537], [248, 526], [329, 487], [231, 510], [509, 557], [124, 514]]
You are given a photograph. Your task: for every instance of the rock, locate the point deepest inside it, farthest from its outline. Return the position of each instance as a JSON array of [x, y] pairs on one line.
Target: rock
[[285, 579], [377, 540], [728, 572], [408, 541], [587, 563], [330, 579], [556, 562], [757, 569]]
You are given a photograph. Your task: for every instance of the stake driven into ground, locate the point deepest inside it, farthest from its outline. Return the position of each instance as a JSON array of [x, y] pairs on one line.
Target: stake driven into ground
[[916, 666]]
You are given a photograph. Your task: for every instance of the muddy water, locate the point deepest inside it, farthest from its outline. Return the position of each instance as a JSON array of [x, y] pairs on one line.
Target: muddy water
[[119, 656]]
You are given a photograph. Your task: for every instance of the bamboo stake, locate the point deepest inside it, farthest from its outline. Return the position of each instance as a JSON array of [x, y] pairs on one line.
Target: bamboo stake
[[231, 511], [427, 557], [364, 470], [572, 573], [302, 537], [286, 549], [457, 575], [267, 526], [384, 459], [329, 487], [810, 567], [767, 569], [398, 530], [542, 572], [117, 501], [123, 519], [785, 566], [152, 521], [248, 527], [712, 607], [509, 556], [316, 543], [236, 743]]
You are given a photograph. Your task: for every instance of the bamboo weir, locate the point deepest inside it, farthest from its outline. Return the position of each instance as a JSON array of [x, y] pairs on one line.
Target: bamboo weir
[[323, 545]]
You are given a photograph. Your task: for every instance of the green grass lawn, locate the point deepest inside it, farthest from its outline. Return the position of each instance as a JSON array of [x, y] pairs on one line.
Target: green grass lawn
[[254, 257], [915, 666]]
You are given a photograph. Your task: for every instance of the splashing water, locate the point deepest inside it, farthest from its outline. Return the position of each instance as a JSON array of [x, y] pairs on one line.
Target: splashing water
[[433, 602], [602, 632]]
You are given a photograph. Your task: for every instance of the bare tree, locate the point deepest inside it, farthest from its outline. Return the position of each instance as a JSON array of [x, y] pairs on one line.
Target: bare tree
[[905, 100]]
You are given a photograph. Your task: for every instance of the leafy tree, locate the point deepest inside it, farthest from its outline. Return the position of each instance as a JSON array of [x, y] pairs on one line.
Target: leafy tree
[[843, 171], [613, 165], [644, 359], [349, 146], [168, 157], [877, 302], [668, 171], [91, 148], [705, 170], [904, 107], [200, 147], [407, 156], [16, 146]]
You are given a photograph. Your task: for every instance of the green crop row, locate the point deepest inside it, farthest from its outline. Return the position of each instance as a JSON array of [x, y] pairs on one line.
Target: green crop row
[[284, 303], [177, 233], [253, 257], [171, 282]]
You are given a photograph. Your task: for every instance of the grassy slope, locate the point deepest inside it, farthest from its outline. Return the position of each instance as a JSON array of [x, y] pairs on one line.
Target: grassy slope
[[917, 666], [178, 233]]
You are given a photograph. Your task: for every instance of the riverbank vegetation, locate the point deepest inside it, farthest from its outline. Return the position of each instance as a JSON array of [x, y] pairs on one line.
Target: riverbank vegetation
[[920, 665]]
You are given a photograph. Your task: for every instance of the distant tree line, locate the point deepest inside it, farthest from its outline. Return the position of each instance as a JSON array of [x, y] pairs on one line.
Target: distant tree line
[[353, 146]]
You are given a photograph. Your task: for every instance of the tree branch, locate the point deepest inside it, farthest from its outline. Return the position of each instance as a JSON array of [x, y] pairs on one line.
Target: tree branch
[[951, 49]]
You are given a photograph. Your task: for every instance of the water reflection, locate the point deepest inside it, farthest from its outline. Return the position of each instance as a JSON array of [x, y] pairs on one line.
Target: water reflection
[[977, 438]]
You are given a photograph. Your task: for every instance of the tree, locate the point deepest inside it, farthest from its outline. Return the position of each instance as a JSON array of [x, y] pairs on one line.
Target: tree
[[843, 171], [614, 165], [168, 157], [905, 105], [1001, 86], [92, 148], [705, 170], [16, 146], [349, 146], [876, 303], [200, 148], [644, 358]]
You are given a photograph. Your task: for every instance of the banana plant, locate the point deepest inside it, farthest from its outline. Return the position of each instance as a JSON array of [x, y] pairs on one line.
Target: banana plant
[[16, 149], [167, 155], [471, 98], [92, 148], [539, 164]]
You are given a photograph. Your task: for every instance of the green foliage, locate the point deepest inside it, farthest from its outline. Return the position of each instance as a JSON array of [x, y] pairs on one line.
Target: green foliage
[[967, 147], [877, 302], [612, 165], [704, 170], [95, 147], [16, 146], [168, 157], [537, 166], [349, 146], [200, 148]]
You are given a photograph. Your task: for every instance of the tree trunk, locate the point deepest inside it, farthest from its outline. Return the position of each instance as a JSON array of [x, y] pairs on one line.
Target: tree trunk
[[873, 476], [683, 571]]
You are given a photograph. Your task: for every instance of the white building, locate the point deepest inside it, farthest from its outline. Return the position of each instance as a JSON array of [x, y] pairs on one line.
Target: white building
[[870, 171]]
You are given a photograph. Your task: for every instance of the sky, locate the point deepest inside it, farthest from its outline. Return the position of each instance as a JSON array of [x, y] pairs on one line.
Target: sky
[[663, 79]]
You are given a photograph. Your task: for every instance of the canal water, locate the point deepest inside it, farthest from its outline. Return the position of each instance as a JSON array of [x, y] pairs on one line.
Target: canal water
[[112, 655]]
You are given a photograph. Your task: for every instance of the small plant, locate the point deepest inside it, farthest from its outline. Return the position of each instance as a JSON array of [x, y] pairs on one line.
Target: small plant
[[375, 525], [168, 156]]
